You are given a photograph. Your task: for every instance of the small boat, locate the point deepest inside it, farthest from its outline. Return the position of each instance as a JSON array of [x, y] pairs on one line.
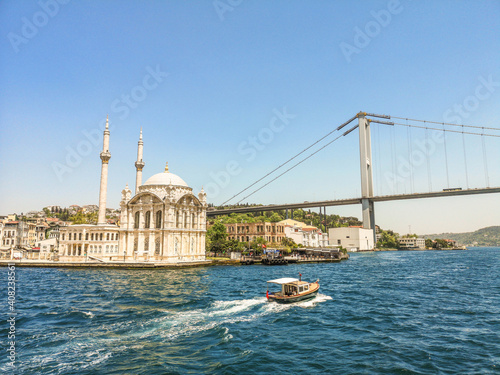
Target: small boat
[[292, 290]]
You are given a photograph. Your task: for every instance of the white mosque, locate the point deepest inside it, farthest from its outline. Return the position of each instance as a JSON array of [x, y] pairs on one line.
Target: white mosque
[[162, 222]]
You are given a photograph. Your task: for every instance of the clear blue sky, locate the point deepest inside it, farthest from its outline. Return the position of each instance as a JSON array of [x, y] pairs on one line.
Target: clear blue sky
[[204, 78]]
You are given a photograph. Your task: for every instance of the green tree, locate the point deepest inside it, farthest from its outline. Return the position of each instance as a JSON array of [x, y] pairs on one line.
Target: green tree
[[428, 243], [289, 244], [388, 240], [441, 244], [216, 238], [275, 217], [256, 244], [235, 245]]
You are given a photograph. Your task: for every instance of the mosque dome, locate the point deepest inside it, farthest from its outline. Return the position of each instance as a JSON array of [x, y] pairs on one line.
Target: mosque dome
[[165, 178]]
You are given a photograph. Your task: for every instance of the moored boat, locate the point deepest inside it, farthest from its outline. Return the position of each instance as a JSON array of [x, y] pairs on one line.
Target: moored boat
[[292, 290]]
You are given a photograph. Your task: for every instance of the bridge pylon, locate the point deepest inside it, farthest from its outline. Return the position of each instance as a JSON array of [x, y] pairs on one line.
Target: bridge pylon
[[365, 157]]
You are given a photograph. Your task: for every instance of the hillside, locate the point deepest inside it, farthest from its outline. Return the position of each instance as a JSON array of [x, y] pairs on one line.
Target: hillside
[[489, 236]]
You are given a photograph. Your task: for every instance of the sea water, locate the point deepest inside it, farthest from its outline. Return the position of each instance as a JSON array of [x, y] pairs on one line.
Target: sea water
[[426, 312]]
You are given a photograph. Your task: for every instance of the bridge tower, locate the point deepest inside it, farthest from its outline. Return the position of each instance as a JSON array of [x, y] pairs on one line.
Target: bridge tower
[[365, 157]]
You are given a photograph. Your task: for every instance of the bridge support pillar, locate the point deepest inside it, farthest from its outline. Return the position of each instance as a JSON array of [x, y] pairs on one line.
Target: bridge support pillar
[[287, 213], [369, 217], [365, 158]]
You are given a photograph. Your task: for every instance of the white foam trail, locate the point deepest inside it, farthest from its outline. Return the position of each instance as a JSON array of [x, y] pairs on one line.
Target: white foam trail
[[169, 326]]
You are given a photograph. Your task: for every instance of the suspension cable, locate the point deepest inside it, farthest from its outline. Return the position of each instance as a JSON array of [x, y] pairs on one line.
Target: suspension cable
[[485, 162], [446, 159], [448, 130], [295, 165], [445, 123], [377, 159], [465, 159], [427, 157], [410, 153], [289, 160], [393, 156]]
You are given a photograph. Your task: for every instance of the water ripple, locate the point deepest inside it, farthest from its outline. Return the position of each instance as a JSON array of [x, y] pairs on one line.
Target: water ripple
[[384, 313]]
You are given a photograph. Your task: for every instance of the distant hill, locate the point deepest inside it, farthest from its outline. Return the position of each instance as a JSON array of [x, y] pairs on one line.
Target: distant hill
[[489, 236]]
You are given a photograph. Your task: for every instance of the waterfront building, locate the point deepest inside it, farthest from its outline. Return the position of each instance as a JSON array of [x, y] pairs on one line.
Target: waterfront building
[[31, 234], [294, 223], [44, 249], [351, 238], [54, 230], [163, 221], [41, 229], [412, 243], [307, 236], [246, 232], [81, 242], [9, 234]]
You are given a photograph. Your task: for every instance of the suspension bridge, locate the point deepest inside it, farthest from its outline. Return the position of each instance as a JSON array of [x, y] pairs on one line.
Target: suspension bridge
[[368, 198]]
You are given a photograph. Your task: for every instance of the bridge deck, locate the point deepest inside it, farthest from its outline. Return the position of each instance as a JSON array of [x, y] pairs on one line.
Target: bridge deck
[[350, 201]]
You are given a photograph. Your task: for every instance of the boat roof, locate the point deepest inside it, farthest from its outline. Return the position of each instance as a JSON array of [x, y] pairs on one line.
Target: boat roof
[[284, 280]]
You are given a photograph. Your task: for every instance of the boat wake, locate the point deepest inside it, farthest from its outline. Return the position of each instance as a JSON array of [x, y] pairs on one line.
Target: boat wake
[[82, 351]]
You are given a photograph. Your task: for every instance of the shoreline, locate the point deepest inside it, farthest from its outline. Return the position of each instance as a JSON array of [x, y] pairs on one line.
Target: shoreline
[[139, 265]]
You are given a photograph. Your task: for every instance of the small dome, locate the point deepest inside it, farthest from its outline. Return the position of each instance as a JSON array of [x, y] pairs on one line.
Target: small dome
[[166, 178]]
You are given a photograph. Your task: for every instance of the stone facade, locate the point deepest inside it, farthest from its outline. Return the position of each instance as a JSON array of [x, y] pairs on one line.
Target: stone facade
[[86, 241], [245, 232], [165, 221]]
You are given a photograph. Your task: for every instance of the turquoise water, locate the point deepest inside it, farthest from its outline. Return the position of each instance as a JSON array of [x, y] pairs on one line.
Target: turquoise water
[[434, 312]]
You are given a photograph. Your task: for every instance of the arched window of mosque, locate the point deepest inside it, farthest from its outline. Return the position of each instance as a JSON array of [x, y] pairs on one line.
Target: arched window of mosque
[[112, 236], [148, 219], [86, 236], [100, 237], [116, 236], [69, 237], [185, 219], [107, 236], [92, 236], [158, 219], [136, 220], [79, 236]]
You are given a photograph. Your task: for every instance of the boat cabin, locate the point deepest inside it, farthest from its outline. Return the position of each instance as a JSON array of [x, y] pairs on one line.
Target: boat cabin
[[289, 286]]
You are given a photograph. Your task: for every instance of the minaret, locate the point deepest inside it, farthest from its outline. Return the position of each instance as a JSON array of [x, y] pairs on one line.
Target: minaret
[[105, 156], [139, 164]]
